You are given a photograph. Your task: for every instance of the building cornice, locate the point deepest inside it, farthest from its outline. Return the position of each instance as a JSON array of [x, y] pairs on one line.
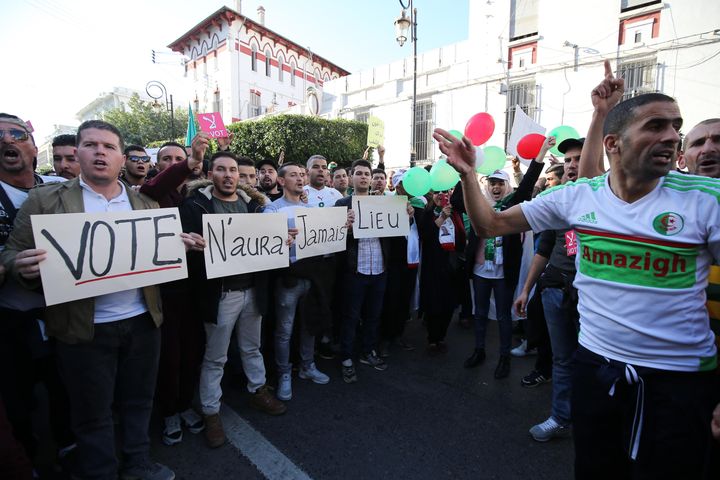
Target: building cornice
[[228, 15]]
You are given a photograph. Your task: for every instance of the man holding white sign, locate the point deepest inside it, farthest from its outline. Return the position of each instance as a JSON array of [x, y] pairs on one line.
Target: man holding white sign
[[295, 284], [231, 303], [365, 265], [108, 346]]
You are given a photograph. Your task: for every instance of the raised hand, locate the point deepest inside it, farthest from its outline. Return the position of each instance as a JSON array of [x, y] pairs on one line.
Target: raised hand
[[609, 92], [460, 153], [224, 142], [199, 145]]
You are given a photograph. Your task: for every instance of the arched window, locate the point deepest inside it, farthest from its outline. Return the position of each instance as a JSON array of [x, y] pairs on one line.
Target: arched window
[[281, 66], [292, 73], [268, 56], [253, 58]]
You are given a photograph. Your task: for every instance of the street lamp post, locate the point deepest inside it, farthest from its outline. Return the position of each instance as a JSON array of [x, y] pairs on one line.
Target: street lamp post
[[156, 90], [402, 25]]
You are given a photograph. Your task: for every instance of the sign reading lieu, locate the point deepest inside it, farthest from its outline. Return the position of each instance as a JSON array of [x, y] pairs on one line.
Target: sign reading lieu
[[380, 216], [91, 254], [244, 242]]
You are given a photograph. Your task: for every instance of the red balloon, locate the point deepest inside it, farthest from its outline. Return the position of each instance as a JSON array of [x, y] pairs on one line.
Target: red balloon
[[480, 128], [529, 146]]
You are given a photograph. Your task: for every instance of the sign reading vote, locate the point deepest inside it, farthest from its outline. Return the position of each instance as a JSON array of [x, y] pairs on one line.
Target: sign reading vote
[[212, 124], [380, 216], [90, 254], [244, 242], [320, 231]]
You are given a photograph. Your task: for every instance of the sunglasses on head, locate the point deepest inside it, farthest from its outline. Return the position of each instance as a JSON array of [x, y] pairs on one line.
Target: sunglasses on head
[[17, 134], [139, 158]]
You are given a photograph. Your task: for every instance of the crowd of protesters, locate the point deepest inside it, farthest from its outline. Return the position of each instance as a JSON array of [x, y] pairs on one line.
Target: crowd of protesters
[[617, 303]]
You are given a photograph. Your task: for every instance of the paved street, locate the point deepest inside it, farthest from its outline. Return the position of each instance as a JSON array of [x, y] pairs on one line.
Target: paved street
[[423, 418]]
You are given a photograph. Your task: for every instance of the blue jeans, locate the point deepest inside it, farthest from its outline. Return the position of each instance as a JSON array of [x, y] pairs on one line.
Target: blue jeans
[[563, 339], [286, 302], [362, 291], [483, 287]]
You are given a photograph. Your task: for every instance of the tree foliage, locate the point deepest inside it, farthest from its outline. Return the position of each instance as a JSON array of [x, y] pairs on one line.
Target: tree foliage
[[300, 136], [142, 122]]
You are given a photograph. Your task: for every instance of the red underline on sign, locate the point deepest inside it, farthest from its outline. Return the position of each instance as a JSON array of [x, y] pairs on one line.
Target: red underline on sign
[[128, 274]]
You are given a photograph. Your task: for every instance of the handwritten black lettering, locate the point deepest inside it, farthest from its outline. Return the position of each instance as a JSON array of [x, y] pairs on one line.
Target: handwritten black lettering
[[77, 269], [133, 237], [111, 250], [158, 236]]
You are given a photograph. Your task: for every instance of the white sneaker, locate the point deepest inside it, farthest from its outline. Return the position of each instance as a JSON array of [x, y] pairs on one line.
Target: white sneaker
[[284, 391], [548, 430], [172, 433], [192, 421], [522, 350], [312, 373]]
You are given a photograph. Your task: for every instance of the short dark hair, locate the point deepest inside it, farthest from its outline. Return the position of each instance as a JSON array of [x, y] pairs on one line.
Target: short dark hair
[[64, 140], [337, 169], [171, 144], [622, 114], [379, 170], [708, 121], [284, 167], [99, 125], [226, 154], [245, 162], [133, 148], [360, 163]]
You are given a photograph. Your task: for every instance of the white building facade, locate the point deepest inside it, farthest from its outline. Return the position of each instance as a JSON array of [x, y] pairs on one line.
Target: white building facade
[[544, 56], [241, 68], [117, 98]]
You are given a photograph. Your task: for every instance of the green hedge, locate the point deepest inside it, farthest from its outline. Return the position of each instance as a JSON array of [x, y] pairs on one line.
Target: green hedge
[[300, 136]]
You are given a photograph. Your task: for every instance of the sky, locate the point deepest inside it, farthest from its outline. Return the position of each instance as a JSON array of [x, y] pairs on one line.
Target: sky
[[61, 54]]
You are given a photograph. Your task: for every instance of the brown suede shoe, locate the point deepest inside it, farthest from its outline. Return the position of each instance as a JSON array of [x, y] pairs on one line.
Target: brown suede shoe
[[264, 400], [214, 432]]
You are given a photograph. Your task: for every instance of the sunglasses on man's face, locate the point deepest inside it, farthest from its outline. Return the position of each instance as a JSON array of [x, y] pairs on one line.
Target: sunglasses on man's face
[[16, 134], [139, 158]]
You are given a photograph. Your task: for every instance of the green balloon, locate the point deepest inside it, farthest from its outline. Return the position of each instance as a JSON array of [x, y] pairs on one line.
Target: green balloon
[[456, 133], [443, 176], [494, 160], [416, 181], [561, 133]]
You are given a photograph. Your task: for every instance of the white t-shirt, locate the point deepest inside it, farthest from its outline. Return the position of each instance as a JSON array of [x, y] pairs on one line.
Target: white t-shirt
[[642, 267], [322, 198]]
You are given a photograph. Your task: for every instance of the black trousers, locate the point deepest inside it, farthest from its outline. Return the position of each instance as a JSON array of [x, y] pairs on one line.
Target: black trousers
[[118, 367], [537, 334], [183, 345], [396, 304], [675, 440], [25, 360], [437, 325]]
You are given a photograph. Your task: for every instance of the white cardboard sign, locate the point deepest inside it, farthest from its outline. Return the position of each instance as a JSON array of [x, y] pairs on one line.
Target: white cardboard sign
[[91, 254], [522, 125], [380, 216], [320, 231], [244, 242]]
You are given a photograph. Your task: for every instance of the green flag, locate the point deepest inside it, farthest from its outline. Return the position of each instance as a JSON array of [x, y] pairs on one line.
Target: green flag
[[191, 130]]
